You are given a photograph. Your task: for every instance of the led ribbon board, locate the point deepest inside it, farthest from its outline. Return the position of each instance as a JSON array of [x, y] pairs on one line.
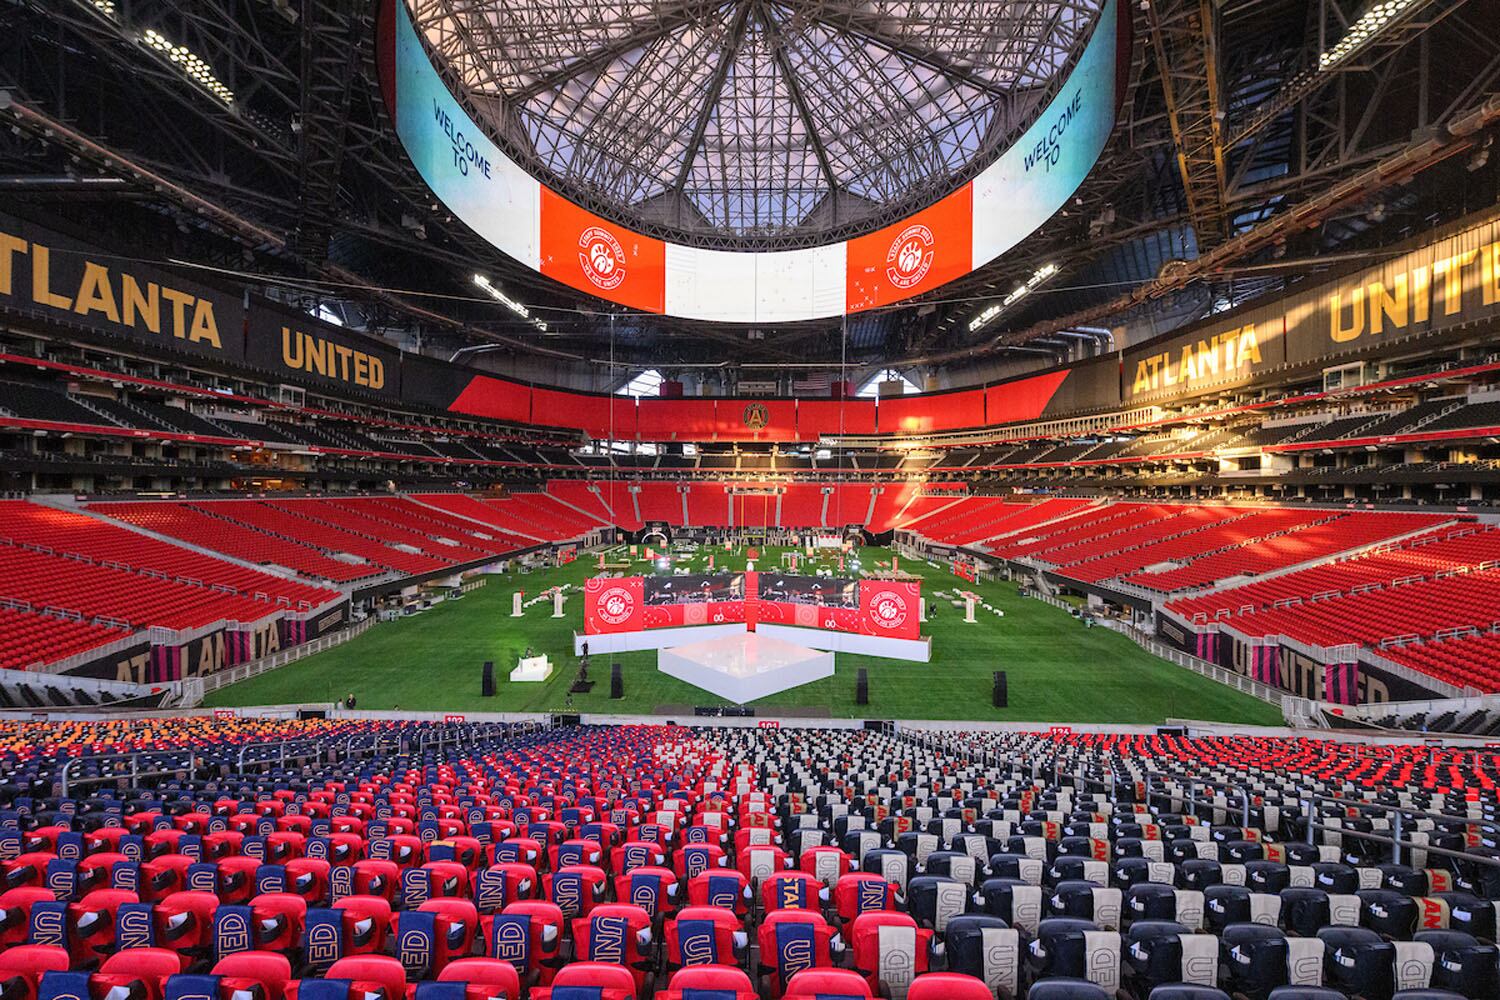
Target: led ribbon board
[[520, 216]]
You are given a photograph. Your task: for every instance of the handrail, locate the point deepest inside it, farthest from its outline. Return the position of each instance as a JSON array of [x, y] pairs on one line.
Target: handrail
[[1395, 841], [1113, 781], [136, 774], [281, 746]]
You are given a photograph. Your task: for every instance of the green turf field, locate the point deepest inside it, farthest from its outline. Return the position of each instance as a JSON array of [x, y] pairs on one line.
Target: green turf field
[[1058, 670]]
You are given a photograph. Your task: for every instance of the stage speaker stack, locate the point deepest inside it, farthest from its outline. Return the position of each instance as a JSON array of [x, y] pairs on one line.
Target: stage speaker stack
[[1001, 696], [616, 682], [862, 687], [487, 682]]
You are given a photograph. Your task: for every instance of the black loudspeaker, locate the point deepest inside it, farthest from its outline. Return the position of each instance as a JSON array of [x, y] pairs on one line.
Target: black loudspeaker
[[1001, 697], [487, 681], [311, 713], [862, 687], [616, 682]]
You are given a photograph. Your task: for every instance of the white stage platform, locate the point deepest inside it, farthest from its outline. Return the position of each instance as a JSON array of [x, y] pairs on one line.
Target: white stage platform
[[744, 667], [532, 669], [652, 638], [914, 650]]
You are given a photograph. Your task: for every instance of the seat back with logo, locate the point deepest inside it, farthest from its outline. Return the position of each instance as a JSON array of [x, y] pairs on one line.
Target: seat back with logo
[[723, 887], [499, 885], [529, 935], [1016, 902], [615, 934], [862, 892], [1159, 952], [790, 942], [651, 888], [1462, 963], [934, 900], [1076, 949], [694, 859], [575, 890], [703, 935], [796, 890], [426, 940], [890, 950], [985, 948]]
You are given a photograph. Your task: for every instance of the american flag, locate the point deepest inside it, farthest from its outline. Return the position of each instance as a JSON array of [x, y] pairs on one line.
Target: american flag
[[811, 385]]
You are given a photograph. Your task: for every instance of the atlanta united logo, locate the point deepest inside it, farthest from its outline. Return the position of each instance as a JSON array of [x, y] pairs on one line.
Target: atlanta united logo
[[616, 605], [889, 611], [910, 256], [756, 416], [601, 257]]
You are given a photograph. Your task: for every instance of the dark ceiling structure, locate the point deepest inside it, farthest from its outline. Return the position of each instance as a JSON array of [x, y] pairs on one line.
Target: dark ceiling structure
[[1260, 141], [752, 122]]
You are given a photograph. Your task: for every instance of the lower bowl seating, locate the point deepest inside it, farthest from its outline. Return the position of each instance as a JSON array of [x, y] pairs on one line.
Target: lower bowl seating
[[263, 859]]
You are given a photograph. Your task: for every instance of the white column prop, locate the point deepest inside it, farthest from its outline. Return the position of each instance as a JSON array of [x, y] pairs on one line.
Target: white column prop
[[515, 605], [968, 609], [557, 602], [922, 609], [895, 563]]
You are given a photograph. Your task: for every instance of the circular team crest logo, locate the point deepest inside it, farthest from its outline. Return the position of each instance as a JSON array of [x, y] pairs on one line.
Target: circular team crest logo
[[910, 256], [616, 605], [889, 611], [602, 257], [757, 416]]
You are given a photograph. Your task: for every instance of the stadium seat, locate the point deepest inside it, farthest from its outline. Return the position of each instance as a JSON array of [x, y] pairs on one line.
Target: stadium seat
[[827, 984]]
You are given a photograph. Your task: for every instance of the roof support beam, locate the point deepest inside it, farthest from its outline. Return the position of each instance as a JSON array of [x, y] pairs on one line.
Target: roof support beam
[[730, 46], [778, 53], [666, 22], [1184, 37]]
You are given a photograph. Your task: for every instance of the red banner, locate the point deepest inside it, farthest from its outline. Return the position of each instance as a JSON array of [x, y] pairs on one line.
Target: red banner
[[810, 616], [613, 605], [601, 258], [889, 608], [912, 256]]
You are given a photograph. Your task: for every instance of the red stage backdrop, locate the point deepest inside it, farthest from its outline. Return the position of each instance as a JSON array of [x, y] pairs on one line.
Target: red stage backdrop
[[614, 605], [887, 608]]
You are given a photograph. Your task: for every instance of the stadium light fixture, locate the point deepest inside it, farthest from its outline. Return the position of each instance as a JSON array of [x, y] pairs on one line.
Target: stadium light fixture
[[1038, 276], [190, 63], [1371, 23], [105, 7], [505, 300]]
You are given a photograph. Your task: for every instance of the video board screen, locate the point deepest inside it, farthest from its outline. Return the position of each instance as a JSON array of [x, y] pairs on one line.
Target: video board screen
[[695, 588], [824, 591]]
